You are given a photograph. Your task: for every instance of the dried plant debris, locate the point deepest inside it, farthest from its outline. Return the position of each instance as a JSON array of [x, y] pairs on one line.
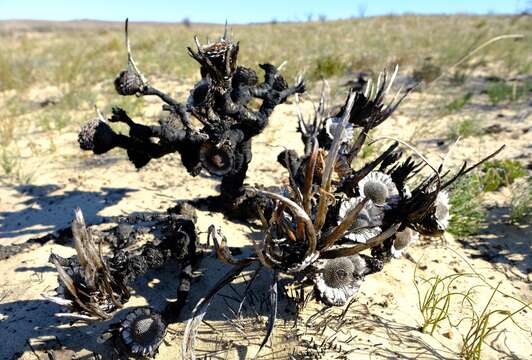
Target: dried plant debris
[[314, 231], [140, 334], [317, 229], [220, 101], [92, 286]]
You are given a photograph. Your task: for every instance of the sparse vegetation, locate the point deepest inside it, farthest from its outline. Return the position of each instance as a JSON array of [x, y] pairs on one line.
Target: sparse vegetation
[[499, 173], [438, 297], [467, 212], [458, 78], [521, 202], [502, 91], [464, 128], [328, 66], [435, 302], [459, 103], [8, 162], [427, 72], [482, 325]]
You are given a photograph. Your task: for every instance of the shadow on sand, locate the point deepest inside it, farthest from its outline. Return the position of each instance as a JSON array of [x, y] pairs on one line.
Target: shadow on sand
[[48, 210], [30, 325], [502, 243]]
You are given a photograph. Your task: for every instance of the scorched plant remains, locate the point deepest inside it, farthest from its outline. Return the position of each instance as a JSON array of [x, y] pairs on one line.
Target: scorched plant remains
[[314, 230]]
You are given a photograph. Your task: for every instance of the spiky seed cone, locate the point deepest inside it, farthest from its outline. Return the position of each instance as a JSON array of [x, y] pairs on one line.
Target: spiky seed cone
[[142, 332], [97, 136], [128, 82]]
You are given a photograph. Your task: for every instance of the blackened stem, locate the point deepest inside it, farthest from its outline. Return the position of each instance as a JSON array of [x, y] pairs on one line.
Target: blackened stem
[[175, 106]]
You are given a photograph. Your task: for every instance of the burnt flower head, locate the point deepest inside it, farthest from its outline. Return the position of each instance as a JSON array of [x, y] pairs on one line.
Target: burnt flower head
[[97, 135], [129, 81], [218, 60], [142, 332]]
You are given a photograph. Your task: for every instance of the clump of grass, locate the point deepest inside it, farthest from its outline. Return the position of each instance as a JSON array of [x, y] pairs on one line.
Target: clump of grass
[[521, 202], [435, 303], [328, 66], [15, 72], [459, 103], [54, 120], [480, 327], [458, 78], [502, 91], [464, 128], [428, 72], [500, 173], [8, 161], [467, 212]]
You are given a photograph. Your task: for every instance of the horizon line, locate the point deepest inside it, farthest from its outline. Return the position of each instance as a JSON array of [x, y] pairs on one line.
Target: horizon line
[[185, 19]]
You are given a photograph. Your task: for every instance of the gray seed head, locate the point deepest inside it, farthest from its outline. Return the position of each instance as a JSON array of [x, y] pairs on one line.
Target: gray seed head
[[376, 192], [338, 272]]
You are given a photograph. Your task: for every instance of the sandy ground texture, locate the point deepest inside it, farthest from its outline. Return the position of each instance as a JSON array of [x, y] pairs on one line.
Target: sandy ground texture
[[384, 321]]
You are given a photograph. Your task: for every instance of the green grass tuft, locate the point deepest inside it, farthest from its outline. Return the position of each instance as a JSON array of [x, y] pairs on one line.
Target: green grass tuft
[[459, 103], [435, 303], [327, 67], [464, 128], [498, 173], [484, 324], [467, 212], [501, 91], [521, 202]]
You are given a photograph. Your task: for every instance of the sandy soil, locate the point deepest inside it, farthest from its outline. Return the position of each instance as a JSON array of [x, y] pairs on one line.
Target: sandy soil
[[383, 322]]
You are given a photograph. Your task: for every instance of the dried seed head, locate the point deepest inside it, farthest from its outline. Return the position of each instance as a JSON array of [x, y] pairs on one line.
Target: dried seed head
[[128, 82], [338, 272], [402, 240], [142, 332], [378, 187], [339, 279], [218, 59], [97, 136]]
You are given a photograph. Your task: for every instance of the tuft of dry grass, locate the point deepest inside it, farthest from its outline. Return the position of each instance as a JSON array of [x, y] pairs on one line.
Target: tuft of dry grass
[[484, 323]]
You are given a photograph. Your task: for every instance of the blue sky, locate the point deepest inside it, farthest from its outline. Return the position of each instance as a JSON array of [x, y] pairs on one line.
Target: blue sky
[[241, 11]]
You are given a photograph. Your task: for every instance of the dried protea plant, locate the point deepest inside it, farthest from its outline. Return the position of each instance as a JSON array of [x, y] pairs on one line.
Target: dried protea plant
[[331, 213], [92, 286], [221, 101]]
